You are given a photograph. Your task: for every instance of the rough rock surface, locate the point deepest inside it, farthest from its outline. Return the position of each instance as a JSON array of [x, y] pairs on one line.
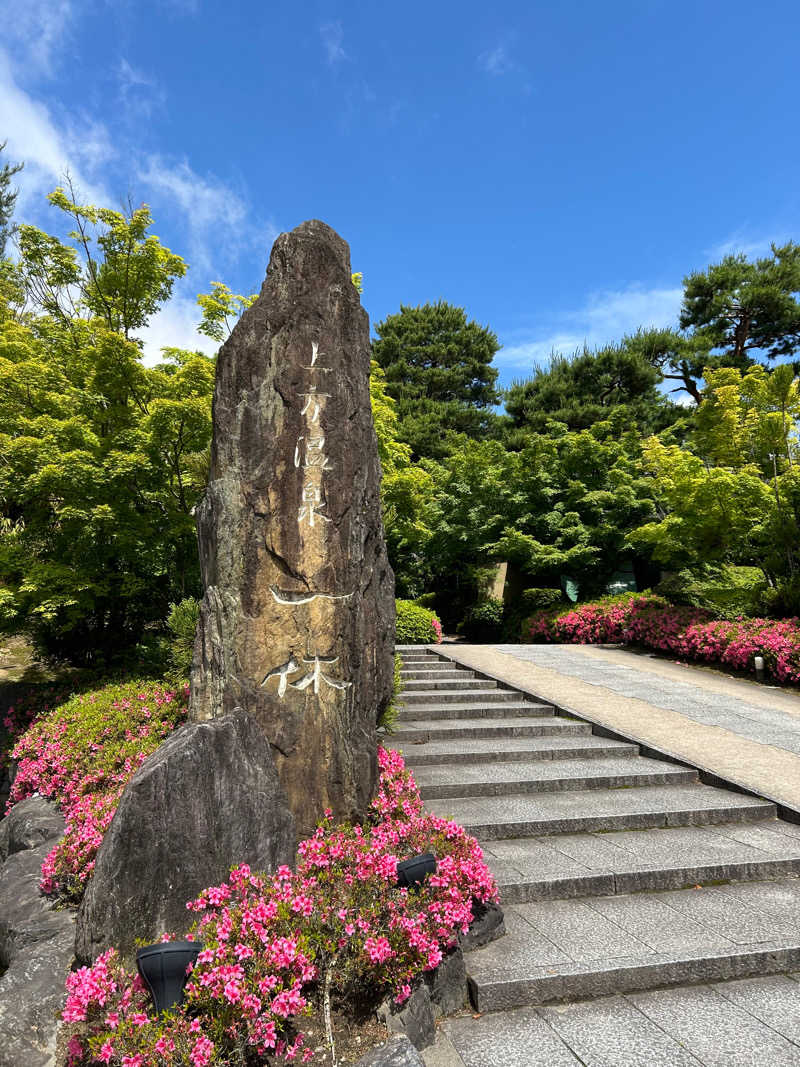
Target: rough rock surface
[[397, 1052], [29, 823], [488, 925], [414, 1018], [447, 984], [297, 622], [208, 798], [36, 940]]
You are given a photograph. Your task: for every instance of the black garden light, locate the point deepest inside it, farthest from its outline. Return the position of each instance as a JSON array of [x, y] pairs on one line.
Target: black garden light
[[411, 873], [163, 970]]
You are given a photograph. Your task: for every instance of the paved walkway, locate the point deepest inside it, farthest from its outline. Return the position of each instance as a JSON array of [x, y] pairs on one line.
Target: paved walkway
[[651, 920], [740, 730], [755, 1021]]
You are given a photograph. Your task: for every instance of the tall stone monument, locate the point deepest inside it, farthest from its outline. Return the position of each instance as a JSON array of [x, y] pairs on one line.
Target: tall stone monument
[[297, 622]]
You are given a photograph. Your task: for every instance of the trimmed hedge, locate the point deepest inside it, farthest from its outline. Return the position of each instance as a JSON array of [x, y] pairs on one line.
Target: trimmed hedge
[[416, 625]]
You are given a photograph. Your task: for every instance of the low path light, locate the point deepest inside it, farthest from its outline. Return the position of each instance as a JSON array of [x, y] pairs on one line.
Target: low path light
[[411, 873], [163, 970]]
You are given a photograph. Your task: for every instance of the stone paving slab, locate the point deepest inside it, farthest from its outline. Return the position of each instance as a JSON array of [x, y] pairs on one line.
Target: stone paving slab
[[638, 941], [510, 709], [501, 779], [468, 750], [639, 807], [741, 1023], [570, 865], [524, 726], [459, 696], [734, 728], [716, 1030]]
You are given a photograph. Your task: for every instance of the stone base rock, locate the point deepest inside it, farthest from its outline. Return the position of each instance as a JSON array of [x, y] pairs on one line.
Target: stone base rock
[[414, 1018], [207, 799], [487, 926], [36, 940], [397, 1052], [28, 825], [447, 984]]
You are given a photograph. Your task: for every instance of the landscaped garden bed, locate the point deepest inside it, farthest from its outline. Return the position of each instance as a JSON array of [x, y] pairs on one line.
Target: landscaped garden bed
[[289, 959]]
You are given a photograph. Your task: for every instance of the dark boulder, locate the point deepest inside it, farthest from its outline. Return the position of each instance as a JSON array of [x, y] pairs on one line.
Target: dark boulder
[[487, 925], [36, 938], [30, 823], [414, 1018], [447, 984], [207, 799]]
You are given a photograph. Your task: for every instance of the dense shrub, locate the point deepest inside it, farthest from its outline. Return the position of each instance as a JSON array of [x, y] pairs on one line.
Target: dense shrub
[[483, 621], [687, 632], [182, 624], [82, 754], [416, 625], [727, 592], [271, 945], [426, 600], [537, 599]]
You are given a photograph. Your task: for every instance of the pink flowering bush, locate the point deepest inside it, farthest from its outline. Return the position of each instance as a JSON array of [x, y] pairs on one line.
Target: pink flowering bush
[[272, 944], [82, 754], [690, 633], [26, 709]]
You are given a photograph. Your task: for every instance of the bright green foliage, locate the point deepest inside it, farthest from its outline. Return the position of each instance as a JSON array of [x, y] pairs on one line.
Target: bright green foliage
[[102, 457], [561, 505], [406, 491], [750, 418], [221, 310], [8, 199], [588, 387], [737, 499], [114, 270], [182, 624], [415, 624], [438, 369]]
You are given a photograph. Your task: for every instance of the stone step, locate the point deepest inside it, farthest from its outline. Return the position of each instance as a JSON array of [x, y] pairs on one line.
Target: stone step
[[462, 681], [546, 776], [412, 648], [485, 729], [629, 861], [455, 696], [434, 674], [513, 748], [474, 711], [639, 807], [565, 949], [736, 1023]]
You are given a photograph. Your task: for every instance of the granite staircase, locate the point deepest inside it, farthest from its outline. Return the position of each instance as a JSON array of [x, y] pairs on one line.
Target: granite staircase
[[617, 872]]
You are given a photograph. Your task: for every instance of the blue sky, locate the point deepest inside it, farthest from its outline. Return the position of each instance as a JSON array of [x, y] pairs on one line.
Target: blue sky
[[554, 168]]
